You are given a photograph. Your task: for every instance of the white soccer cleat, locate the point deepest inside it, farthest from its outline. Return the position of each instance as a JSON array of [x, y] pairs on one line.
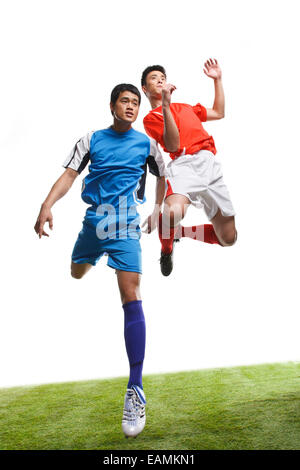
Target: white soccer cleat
[[134, 415]]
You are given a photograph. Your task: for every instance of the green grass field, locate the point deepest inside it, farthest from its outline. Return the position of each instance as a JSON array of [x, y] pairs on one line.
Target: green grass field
[[255, 407]]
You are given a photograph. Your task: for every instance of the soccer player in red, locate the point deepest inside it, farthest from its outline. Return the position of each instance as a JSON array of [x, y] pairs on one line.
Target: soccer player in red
[[194, 175]]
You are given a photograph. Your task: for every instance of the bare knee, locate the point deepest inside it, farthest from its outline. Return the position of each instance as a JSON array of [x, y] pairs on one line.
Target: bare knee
[[172, 216], [129, 293], [229, 237], [129, 286], [76, 274], [79, 270], [129, 296]]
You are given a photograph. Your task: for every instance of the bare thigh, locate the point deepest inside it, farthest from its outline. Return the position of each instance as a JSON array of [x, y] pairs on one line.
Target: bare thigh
[[129, 286], [78, 270], [224, 228]]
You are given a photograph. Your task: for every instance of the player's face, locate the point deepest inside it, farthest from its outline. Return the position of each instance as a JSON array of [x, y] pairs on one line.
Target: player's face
[[126, 108], [154, 83]]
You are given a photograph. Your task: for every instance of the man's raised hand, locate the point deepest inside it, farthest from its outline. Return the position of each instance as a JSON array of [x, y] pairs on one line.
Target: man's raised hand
[[212, 69], [166, 93]]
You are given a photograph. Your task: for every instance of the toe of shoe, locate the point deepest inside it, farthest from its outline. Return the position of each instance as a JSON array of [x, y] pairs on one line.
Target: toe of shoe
[[132, 431]]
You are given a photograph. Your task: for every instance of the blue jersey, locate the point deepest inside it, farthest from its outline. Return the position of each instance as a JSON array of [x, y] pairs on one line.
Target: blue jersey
[[115, 184]]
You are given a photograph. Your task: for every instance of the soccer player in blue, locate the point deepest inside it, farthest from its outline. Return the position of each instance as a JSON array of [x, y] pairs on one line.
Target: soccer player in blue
[[118, 158]]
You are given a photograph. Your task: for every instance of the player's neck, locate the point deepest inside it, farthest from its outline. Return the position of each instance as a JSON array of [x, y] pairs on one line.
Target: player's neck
[[155, 102], [121, 126]]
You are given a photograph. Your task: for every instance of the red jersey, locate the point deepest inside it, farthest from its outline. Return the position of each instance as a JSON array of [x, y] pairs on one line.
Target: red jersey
[[193, 137]]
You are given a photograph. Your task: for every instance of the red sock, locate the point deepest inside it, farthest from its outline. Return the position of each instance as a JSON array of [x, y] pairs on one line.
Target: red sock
[[166, 236], [203, 233]]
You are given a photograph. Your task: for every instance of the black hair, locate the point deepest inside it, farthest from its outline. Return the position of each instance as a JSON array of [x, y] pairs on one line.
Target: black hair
[[124, 87], [151, 68]]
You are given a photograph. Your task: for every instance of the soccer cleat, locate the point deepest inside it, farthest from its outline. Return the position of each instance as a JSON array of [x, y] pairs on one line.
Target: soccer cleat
[[134, 415], [166, 261]]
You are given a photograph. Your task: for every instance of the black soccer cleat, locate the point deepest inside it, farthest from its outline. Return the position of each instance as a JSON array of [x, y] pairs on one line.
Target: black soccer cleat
[[166, 261]]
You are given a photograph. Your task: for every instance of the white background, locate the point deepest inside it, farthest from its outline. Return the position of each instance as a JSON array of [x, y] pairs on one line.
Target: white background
[[221, 306]]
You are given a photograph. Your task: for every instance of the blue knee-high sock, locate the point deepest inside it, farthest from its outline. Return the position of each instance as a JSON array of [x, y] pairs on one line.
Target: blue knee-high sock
[[135, 340]]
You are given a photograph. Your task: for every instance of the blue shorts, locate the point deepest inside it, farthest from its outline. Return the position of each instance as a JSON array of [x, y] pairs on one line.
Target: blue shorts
[[123, 254]]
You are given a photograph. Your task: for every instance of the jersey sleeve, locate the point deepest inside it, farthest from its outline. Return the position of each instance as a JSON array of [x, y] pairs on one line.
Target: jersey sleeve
[[155, 160], [154, 126], [200, 111], [79, 155]]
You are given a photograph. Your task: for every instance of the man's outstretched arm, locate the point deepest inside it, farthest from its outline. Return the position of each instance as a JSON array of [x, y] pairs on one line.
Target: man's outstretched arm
[[58, 190], [213, 70]]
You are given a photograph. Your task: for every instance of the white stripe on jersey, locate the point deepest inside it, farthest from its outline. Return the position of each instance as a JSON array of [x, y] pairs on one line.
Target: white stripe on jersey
[[79, 155], [155, 152]]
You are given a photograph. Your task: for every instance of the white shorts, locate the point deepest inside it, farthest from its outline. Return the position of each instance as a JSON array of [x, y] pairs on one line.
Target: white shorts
[[199, 178]]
